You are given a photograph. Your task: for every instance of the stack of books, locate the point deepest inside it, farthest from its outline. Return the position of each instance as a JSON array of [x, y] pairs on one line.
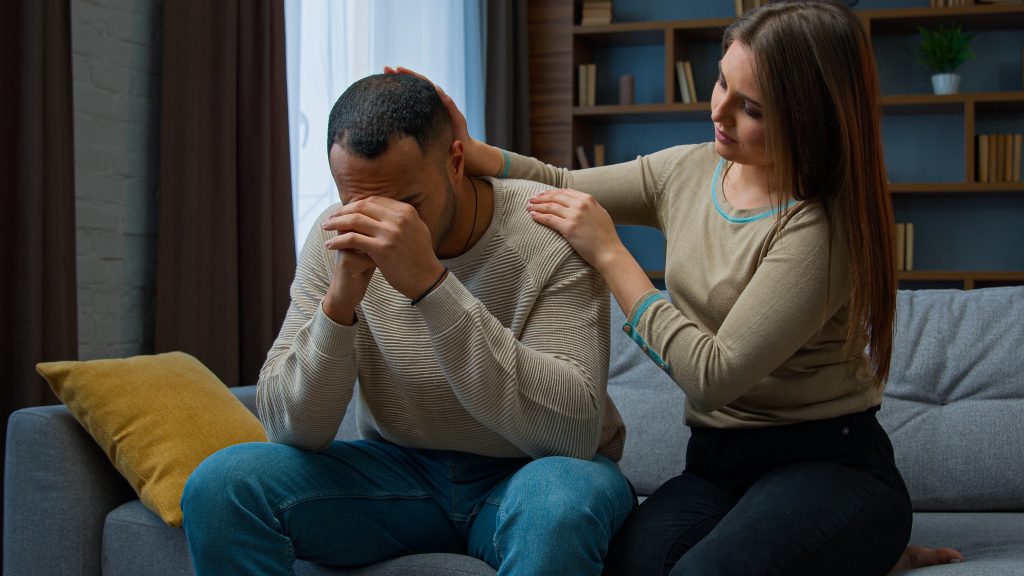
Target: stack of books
[[999, 157], [904, 246], [596, 12], [744, 5], [684, 75], [584, 161]]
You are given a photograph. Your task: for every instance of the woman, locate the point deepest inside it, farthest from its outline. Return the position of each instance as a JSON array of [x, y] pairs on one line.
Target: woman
[[780, 269]]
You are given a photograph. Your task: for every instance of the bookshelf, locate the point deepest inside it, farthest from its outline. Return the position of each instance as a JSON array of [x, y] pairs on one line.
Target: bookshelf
[[658, 118]]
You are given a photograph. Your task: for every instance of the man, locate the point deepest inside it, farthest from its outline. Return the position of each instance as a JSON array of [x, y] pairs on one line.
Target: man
[[481, 348]]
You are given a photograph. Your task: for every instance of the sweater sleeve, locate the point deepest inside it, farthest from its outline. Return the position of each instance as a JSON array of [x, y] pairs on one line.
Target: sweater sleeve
[[788, 300], [543, 391], [616, 187], [309, 375]]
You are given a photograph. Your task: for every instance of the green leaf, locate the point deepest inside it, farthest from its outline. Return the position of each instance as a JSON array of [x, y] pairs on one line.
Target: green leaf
[[945, 48]]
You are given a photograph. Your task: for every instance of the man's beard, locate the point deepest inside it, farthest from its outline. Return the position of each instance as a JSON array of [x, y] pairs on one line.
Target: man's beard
[[447, 216]]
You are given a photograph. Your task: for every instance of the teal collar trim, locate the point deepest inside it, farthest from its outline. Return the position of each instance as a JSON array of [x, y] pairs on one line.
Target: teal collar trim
[[714, 198]]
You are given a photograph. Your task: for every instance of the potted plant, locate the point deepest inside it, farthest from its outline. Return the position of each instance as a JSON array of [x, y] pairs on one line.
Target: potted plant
[[943, 50]]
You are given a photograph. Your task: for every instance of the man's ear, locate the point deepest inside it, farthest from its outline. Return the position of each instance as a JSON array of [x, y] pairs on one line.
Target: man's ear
[[456, 161]]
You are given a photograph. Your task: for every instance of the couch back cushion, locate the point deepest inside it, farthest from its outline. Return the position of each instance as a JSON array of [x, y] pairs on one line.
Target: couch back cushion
[[652, 407], [954, 403]]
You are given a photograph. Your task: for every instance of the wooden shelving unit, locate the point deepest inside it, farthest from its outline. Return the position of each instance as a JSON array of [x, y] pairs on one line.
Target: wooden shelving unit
[[674, 38]]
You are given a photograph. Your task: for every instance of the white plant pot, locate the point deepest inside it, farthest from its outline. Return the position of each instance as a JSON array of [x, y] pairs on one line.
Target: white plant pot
[[945, 83]]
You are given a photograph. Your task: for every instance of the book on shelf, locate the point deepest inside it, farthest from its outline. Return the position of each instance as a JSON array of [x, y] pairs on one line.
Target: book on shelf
[[901, 234], [904, 246], [586, 84], [684, 74], [581, 85], [591, 84], [993, 158], [1018, 142], [581, 157], [999, 157], [908, 248], [598, 155], [596, 12], [982, 158], [1008, 157], [684, 89], [689, 80]]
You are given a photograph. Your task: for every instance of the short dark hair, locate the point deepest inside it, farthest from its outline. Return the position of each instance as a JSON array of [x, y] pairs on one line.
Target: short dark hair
[[377, 107]]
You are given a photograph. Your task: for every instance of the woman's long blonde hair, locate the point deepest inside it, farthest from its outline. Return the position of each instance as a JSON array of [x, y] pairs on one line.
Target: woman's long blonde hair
[[819, 88]]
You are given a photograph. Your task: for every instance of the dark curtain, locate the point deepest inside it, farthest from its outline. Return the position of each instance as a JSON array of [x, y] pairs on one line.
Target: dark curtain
[[507, 93], [226, 247], [38, 313]]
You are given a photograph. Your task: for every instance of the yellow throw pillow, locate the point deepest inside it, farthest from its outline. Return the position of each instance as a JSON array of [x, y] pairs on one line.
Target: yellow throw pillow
[[156, 417]]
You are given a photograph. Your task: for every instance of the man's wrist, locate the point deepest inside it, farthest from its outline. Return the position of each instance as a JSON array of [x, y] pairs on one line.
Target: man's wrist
[[440, 278], [338, 312]]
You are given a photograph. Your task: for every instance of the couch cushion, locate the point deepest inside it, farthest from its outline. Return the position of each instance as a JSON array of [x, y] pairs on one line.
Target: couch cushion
[[652, 407], [955, 398], [137, 543], [992, 542], [156, 418]]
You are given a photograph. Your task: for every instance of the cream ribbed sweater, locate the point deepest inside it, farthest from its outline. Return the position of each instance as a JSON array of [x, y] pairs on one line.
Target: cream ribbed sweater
[[507, 357], [754, 332]]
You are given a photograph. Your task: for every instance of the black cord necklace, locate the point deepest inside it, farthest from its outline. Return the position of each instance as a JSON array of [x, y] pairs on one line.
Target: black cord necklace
[[476, 201]]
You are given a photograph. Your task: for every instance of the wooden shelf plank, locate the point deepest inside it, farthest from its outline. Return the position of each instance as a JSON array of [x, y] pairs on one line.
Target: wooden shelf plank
[[981, 16], [969, 279], [616, 113], [956, 187], [953, 103]]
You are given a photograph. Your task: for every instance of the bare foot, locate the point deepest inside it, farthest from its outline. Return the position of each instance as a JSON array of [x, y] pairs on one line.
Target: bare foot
[[921, 556]]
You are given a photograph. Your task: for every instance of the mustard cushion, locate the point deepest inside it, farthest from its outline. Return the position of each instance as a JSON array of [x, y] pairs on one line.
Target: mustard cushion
[[156, 417]]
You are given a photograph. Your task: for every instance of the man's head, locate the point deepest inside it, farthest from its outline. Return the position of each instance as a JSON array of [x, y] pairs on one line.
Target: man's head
[[389, 135]]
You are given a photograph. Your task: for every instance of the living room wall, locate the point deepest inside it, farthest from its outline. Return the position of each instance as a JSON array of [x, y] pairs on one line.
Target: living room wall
[[116, 78]]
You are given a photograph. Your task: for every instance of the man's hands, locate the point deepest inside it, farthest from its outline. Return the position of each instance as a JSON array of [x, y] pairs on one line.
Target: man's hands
[[379, 232]]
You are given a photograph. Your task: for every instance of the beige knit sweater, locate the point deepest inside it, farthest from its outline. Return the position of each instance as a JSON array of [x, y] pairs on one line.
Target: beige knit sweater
[[755, 331], [507, 357]]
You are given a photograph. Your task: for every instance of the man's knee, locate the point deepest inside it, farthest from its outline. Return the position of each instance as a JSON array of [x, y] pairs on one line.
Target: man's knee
[[566, 489], [219, 477]]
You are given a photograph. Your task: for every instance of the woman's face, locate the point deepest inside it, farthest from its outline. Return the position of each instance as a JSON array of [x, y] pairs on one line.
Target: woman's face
[[736, 109]]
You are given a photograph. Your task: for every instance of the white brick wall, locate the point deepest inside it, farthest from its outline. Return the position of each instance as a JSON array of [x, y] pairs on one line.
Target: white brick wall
[[116, 73]]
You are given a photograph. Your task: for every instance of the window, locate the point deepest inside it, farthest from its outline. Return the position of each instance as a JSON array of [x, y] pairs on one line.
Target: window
[[332, 43]]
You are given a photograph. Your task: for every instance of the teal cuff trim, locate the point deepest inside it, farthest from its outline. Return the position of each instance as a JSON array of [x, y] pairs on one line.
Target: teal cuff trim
[[630, 329], [506, 164]]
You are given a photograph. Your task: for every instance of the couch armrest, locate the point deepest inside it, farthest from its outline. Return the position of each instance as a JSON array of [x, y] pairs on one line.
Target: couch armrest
[[247, 394], [58, 488]]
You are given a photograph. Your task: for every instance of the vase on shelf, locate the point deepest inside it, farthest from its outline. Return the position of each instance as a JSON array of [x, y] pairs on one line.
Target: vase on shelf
[[946, 83]]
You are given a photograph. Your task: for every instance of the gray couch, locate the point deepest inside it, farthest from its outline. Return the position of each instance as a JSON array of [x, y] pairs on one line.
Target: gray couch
[[954, 407]]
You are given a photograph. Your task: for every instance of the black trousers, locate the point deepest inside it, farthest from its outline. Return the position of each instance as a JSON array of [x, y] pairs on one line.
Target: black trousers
[[820, 497]]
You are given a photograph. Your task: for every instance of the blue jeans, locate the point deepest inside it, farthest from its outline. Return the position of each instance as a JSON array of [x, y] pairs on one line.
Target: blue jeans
[[821, 497], [255, 508]]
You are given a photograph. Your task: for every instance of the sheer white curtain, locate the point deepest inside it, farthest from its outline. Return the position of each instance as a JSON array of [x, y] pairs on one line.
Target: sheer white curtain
[[333, 43]]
